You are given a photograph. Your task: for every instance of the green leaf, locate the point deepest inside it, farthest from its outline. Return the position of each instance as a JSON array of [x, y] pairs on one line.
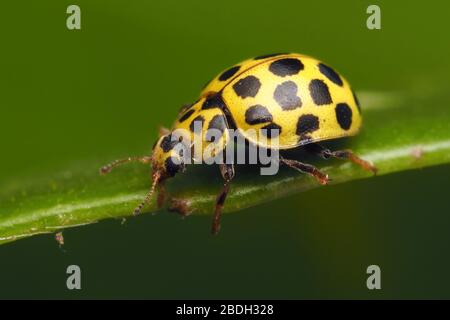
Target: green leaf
[[401, 132]]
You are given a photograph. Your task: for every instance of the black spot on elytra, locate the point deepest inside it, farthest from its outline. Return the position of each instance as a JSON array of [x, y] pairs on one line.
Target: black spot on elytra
[[200, 120], [167, 143], [307, 123], [218, 122], [285, 95], [229, 73], [247, 87], [344, 115], [171, 167], [319, 92], [257, 114], [214, 101], [268, 56], [332, 75], [185, 116], [356, 101], [286, 67], [271, 130]]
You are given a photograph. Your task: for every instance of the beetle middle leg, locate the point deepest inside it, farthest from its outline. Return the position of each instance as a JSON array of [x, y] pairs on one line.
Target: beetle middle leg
[[341, 154], [321, 177], [227, 171]]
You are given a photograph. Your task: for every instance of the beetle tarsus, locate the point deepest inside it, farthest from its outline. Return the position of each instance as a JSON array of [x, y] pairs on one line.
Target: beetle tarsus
[[180, 206], [227, 172], [344, 155], [220, 200]]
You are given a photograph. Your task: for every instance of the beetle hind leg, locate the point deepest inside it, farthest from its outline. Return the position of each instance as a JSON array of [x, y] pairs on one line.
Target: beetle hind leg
[[342, 154]]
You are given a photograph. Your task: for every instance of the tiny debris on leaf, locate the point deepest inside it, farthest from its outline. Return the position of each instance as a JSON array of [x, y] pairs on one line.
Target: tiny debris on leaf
[[417, 152], [59, 238]]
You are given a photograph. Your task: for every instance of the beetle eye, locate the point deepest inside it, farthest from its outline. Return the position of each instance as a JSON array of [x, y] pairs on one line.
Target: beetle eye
[[173, 166]]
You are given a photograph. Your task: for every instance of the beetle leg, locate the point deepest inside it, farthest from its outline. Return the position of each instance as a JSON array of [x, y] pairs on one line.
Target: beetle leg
[[181, 206], [321, 177], [161, 193], [227, 171], [342, 154]]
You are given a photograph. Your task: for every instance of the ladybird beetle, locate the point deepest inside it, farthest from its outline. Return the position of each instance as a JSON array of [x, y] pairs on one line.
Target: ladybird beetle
[[303, 99]]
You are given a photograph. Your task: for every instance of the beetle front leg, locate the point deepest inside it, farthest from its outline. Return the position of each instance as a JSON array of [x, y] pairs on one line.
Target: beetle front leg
[[161, 193]]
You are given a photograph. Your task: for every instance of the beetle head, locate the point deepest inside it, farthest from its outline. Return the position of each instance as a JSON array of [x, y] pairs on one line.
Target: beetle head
[[168, 156]]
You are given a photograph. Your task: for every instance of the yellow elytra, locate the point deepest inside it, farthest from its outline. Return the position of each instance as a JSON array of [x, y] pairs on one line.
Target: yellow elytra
[[307, 100], [291, 97]]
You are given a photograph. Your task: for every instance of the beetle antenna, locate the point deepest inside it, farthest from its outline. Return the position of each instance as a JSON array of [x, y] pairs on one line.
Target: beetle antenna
[[107, 169], [148, 196]]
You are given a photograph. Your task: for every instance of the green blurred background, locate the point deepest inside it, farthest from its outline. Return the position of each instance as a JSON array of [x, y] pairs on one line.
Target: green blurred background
[[101, 93]]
